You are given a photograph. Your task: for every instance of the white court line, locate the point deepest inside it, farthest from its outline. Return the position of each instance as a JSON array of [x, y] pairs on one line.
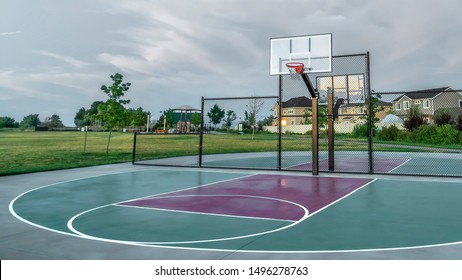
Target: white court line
[[207, 213], [399, 165], [81, 234]]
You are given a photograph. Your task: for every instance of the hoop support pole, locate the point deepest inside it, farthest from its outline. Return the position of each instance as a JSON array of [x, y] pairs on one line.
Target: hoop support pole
[[309, 85]]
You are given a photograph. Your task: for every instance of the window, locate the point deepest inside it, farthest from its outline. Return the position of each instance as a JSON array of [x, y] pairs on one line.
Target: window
[[398, 106], [460, 103], [290, 111], [426, 104], [417, 102], [405, 105]]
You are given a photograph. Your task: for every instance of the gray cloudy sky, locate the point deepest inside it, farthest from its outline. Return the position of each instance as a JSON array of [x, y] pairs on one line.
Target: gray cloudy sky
[[55, 54]]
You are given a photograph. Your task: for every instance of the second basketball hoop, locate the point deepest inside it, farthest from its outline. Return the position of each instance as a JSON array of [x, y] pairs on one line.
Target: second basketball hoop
[[295, 69]]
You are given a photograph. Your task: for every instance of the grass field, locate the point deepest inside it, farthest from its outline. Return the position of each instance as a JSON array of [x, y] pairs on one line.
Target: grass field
[[23, 152]]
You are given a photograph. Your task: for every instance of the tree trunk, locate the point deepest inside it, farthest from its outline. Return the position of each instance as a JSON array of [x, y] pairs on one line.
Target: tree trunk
[[108, 141]]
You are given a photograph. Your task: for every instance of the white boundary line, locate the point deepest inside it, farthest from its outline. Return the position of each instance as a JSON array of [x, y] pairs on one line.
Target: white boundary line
[[71, 227], [211, 249], [406, 161], [14, 214], [206, 213]]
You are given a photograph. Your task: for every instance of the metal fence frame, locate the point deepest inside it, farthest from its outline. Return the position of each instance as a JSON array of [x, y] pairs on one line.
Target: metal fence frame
[[371, 153]]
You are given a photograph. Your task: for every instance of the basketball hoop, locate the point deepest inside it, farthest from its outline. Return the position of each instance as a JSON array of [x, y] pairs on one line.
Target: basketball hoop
[[295, 69]]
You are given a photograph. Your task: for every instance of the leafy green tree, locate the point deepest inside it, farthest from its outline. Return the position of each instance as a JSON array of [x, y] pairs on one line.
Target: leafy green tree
[[230, 117], [137, 117], [307, 116], [112, 113], [53, 121], [216, 114], [375, 108], [29, 121], [266, 121], [196, 119], [167, 115], [84, 117], [8, 122]]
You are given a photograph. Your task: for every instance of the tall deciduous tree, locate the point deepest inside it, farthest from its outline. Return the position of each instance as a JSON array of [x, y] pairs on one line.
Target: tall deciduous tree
[[230, 117], [253, 109], [8, 122], [112, 113], [53, 121], [29, 121], [216, 114]]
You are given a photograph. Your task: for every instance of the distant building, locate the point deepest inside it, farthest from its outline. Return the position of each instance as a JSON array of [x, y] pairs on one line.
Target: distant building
[[353, 111], [294, 111], [429, 101]]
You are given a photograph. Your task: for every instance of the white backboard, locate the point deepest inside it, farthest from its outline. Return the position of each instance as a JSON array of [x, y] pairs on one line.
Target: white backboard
[[315, 51]]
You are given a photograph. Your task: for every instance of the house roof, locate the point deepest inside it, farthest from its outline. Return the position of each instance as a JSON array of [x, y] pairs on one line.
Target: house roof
[[300, 102], [422, 94]]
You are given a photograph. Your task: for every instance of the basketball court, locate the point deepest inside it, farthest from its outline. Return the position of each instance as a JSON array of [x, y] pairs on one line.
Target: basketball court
[[221, 211], [137, 212]]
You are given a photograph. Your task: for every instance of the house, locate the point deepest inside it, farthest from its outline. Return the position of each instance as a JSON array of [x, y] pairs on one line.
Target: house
[[429, 101], [297, 111], [294, 111], [352, 112]]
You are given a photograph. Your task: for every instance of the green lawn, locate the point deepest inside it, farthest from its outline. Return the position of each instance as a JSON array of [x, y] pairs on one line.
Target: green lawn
[[23, 152]]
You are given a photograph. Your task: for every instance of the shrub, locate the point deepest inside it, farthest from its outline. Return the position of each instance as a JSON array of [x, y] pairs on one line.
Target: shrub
[[359, 131], [414, 118], [459, 122], [390, 133], [433, 134], [442, 117]]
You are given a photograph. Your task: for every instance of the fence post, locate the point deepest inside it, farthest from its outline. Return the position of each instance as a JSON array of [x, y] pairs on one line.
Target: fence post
[[134, 148], [369, 117], [201, 132]]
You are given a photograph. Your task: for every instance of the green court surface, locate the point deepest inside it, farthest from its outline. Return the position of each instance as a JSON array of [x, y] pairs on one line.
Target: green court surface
[[379, 214]]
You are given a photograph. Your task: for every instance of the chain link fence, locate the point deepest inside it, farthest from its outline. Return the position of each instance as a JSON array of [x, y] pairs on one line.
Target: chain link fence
[[405, 133], [419, 132]]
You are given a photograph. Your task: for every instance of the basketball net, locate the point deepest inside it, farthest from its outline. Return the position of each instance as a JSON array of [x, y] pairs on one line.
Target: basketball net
[[295, 69]]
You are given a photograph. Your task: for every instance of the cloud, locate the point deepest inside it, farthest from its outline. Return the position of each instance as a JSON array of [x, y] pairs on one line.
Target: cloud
[[181, 50], [10, 33], [69, 60]]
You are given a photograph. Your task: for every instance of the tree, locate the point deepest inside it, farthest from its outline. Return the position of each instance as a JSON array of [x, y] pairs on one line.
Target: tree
[[29, 121], [414, 118], [196, 119], [216, 114], [8, 122], [253, 109], [375, 108], [112, 113], [268, 121], [53, 121], [137, 117], [230, 117], [85, 117]]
